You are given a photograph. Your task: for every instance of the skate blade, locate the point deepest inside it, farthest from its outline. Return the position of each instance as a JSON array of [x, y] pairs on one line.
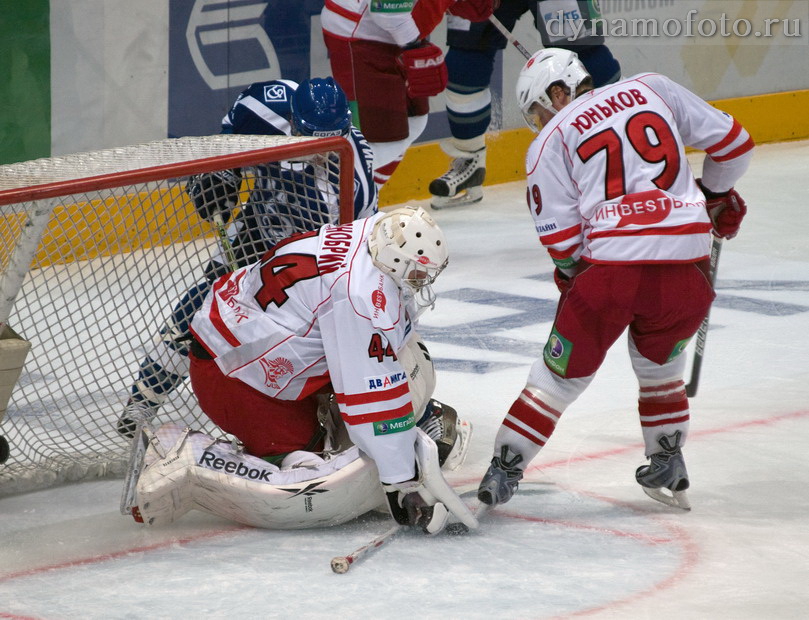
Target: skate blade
[[675, 499], [466, 197]]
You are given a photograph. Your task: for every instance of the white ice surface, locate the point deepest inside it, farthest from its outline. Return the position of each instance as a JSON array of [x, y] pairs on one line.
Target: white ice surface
[[580, 538]]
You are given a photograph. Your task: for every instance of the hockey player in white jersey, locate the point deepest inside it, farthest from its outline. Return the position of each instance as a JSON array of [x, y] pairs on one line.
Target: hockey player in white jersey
[[629, 229], [329, 315], [284, 200]]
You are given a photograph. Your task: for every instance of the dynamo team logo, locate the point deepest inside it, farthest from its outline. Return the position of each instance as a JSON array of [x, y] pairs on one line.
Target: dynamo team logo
[[276, 92]]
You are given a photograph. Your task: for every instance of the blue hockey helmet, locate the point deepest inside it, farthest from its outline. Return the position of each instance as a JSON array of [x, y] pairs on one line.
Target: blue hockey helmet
[[320, 108]]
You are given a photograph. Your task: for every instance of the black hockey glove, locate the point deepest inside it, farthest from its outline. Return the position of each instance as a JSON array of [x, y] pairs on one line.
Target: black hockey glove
[[215, 192], [411, 504]]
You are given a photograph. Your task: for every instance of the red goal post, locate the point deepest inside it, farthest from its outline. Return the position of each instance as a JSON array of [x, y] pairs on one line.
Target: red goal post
[[95, 250]]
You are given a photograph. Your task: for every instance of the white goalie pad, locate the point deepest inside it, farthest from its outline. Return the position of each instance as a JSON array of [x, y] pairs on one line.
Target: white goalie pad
[[417, 364], [198, 472], [434, 482]]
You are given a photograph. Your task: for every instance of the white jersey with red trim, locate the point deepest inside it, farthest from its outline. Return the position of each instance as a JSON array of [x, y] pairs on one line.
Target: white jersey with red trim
[[386, 21], [609, 182], [316, 309]]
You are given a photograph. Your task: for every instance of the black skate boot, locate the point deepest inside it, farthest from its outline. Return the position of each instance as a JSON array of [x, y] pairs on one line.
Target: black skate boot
[[666, 470]]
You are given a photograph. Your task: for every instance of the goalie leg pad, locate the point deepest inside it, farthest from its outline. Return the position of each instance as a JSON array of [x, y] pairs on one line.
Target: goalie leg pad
[[213, 476]]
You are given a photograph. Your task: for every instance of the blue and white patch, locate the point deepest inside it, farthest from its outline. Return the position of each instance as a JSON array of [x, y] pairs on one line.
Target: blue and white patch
[[383, 382], [275, 92]]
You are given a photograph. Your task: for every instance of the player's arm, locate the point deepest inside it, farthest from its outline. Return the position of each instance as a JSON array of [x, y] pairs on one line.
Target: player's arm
[[365, 193], [728, 150], [554, 205], [374, 399], [728, 145]]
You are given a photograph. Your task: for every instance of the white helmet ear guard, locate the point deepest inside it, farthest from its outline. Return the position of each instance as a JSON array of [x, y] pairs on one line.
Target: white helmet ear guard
[[545, 68], [408, 245]]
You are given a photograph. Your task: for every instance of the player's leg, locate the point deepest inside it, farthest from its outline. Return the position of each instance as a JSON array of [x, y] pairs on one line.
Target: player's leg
[[268, 427], [667, 318], [469, 112], [470, 61], [165, 366], [390, 120], [592, 315]]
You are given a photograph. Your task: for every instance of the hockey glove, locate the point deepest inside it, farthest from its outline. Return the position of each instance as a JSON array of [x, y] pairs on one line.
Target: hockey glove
[[726, 210], [215, 192], [427, 500], [411, 504], [474, 10], [424, 69], [562, 280]]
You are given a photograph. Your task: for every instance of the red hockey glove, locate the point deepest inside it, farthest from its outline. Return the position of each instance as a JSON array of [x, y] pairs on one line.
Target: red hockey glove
[[726, 211], [424, 69], [474, 10]]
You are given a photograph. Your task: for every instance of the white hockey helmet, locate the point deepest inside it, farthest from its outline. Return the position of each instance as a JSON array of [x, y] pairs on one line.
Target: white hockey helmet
[[545, 68], [408, 245]]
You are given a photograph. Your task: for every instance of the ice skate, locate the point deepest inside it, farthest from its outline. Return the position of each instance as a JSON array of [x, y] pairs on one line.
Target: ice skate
[[501, 479], [665, 478], [135, 411], [448, 431], [463, 183]]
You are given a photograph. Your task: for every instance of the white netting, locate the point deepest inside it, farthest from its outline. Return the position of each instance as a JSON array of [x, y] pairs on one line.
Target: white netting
[[117, 252]]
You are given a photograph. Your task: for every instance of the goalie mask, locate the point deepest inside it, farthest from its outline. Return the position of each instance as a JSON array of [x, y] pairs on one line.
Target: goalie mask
[[544, 69], [409, 246], [320, 108]]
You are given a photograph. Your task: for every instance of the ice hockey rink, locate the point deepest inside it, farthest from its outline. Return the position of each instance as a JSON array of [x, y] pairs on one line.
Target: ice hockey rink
[[580, 539]]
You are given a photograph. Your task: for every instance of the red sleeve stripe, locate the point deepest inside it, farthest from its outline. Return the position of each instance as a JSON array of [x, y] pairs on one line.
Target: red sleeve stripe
[[350, 400], [686, 229], [216, 317], [735, 132], [563, 254], [342, 12], [562, 235], [379, 416], [737, 152]]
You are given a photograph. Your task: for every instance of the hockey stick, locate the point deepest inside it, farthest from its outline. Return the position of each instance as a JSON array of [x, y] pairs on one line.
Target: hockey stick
[[224, 241], [702, 332], [509, 37], [140, 442], [341, 564]]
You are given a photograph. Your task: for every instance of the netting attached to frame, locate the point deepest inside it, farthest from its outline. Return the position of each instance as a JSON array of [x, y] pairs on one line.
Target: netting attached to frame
[[96, 249]]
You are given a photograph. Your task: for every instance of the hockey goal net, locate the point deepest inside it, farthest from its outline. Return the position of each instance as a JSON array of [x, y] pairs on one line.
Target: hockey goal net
[[95, 250]]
